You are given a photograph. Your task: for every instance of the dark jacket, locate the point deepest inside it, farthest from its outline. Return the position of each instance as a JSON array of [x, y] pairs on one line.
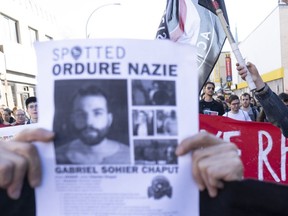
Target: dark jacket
[[275, 110]]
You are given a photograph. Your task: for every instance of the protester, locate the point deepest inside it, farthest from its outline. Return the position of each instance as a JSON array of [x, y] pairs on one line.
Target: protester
[[20, 117], [275, 110], [6, 115], [32, 109], [248, 107], [235, 111], [15, 108], [208, 105]]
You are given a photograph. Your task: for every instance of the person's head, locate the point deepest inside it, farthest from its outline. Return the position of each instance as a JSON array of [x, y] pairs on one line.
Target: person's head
[[284, 97], [220, 98], [234, 103], [20, 116], [155, 85], [142, 117], [209, 88], [14, 111], [91, 116], [253, 101], [245, 100], [6, 114], [32, 108]]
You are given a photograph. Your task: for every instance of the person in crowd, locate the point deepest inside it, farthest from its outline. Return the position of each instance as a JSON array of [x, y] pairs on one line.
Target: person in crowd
[[91, 119], [235, 112], [11, 119], [255, 103], [20, 117], [15, 108], [32, 109], [208, 104], [262, 116], [221, 99], [1, 111], [275, 110], [6, 114], [246, 106], [225, 106]]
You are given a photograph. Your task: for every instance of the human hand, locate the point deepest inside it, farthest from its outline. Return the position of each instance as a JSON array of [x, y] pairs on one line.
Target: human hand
[[254, 73], [18, 157], [213, 161]]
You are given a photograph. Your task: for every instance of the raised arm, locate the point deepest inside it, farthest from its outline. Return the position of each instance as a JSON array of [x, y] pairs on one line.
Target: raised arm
[[275, 109]]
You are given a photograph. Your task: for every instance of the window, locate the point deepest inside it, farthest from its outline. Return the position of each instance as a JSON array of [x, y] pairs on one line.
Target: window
[[33, 35], [10, 29]]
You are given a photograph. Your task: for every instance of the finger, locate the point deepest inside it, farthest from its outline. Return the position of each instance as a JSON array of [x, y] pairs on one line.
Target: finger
[[202, 158], [201, 140], [6, 173], [30, 135], [211, 184], [29, 152], [14, 167], [225, 166], [196, 173]]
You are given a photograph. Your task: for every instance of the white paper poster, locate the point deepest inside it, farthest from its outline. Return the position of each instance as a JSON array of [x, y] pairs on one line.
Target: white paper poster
[[119, 108]]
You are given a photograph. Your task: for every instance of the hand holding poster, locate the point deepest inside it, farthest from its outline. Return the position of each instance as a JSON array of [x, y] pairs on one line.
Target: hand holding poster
[[119, 108]]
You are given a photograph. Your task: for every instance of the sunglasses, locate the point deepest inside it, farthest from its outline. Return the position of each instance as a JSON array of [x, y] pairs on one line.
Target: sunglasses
[[210, 88]]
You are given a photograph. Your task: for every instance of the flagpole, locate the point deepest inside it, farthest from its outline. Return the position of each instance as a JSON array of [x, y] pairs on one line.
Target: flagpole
[[233, 43]]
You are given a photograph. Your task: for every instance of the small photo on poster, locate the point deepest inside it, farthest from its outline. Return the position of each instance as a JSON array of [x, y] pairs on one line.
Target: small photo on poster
[[91, 121], [166, 122], [153, 92], [155, 152], [143, 122]]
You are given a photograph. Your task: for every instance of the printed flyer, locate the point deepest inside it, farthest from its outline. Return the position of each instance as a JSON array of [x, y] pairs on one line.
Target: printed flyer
[[119, 108]]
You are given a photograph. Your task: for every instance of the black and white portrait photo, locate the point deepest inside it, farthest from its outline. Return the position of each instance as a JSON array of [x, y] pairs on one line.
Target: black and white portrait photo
[[91, 122], [153, 92]]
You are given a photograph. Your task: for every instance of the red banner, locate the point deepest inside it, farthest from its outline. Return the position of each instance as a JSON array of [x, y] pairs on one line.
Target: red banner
[[263, 147]]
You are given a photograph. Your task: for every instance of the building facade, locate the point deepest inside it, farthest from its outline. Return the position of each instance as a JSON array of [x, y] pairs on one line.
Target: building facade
[[267, 48], [22, 22]]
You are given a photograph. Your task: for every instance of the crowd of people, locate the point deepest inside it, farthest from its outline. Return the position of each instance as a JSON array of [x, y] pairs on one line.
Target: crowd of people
[[244, 107], [18, 116]]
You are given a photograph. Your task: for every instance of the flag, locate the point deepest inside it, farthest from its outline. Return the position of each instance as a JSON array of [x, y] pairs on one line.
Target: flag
[[186, 21]]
